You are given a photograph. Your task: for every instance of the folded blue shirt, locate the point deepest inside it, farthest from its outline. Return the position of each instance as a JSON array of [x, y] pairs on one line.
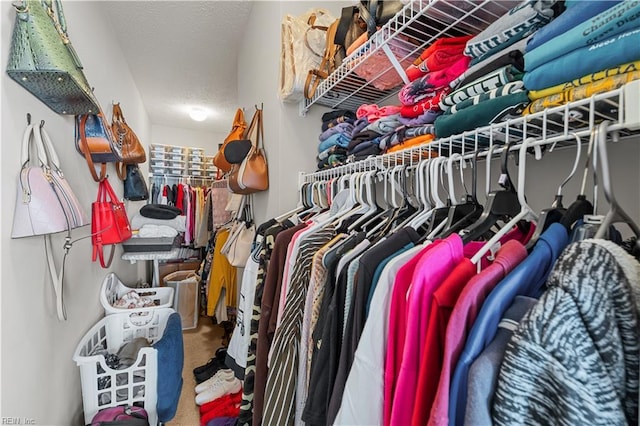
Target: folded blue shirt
[[608, 53], [568, 20], [618, 19], [340, 139]]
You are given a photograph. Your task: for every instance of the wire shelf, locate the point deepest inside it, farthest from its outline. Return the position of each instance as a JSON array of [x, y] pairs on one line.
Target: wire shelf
[[558, 125], [402, 39]]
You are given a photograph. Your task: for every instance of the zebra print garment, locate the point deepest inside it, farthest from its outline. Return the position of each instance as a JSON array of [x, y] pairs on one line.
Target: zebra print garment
[[246, 406], [574, 358]]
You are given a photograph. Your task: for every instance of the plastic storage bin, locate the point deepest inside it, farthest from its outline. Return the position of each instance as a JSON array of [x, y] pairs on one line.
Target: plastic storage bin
[[113, 289], [104, 387], [185, 300]]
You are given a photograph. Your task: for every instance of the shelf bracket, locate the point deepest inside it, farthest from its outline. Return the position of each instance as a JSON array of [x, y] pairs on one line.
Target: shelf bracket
[[632, 107], [396, 64]]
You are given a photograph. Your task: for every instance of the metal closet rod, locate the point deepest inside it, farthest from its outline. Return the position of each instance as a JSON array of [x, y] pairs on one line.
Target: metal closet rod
[[400, 158]]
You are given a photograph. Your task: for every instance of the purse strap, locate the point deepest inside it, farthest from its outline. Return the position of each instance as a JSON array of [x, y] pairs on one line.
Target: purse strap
[[257, 128], [327, 65], [84, 146], [104, 190]]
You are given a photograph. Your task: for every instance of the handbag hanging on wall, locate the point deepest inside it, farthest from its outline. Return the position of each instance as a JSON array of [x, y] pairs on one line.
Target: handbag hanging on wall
[[45, 202], [237, 248], [135, 186], [132, 150], [94, 136], [43, 61], [237, 132], [109, 223], [252, 175]]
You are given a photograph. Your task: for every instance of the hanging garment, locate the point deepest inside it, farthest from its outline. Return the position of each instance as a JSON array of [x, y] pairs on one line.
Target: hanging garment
[[483, 374], [279, 406], [266, 248], [527, 279], [575, 356], [222, 275], [268, 313]]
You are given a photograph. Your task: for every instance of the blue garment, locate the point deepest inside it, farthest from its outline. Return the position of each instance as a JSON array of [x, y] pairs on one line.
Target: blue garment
[[527, 279], [340, 139], [567, 20], [170, 362], [378, 272], [609, 53], [340, 128], [613, 21]]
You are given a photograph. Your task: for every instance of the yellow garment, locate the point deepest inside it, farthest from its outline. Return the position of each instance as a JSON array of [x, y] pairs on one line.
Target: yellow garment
[[590, 78], [222, 275], [581, 92]]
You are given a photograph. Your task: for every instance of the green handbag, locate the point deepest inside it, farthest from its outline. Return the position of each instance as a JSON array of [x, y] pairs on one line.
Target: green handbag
[[44, 62]]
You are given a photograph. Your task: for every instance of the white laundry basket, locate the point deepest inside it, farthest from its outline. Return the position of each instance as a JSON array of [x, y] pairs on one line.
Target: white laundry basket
[[113, 289], [104, 387]]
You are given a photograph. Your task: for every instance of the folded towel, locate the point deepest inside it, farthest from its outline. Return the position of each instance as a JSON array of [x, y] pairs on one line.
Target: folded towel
[[156, 231], [178, 223]]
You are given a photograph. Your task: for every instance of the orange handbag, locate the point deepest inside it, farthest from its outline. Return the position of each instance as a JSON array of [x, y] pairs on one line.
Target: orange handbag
[[252, 175], [237, 132], [132, 150]]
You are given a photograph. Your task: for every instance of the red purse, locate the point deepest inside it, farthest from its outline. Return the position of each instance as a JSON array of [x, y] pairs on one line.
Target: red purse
[[109, 222]]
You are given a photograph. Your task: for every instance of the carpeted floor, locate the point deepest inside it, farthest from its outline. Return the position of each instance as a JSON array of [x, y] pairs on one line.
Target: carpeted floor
[[200, 345]]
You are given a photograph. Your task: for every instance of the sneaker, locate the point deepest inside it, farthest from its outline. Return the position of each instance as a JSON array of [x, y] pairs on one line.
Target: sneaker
[[212, 366], [219, 389], [221, 375]]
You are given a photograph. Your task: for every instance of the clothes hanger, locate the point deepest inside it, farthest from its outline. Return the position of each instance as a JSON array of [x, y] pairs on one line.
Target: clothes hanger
[[394, 201], [581, 207], [555, 213], [440, 215], [615, 214], [421, 186], [526, 212], [501, 205], [467, 212], [374, 209], [428, 185]]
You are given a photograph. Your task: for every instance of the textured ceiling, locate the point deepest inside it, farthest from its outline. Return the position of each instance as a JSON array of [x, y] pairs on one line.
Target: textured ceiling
[[182, 54]]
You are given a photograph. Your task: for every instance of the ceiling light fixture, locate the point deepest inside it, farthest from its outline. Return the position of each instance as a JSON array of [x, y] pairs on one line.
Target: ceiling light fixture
[[198, 114]]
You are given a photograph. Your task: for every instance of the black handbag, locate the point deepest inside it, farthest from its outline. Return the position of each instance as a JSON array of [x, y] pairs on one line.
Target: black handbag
[[135, 187], [236, 151], [378, 12]]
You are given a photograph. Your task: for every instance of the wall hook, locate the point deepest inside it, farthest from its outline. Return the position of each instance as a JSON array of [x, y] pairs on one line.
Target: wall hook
[[41, 124], [28, 118]]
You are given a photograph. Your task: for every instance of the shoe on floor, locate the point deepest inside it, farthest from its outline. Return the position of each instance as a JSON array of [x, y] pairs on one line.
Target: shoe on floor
[[218, 359], [219, 389], [221, 375]]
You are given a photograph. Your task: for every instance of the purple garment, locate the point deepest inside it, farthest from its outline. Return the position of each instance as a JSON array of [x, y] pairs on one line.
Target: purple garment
[[222, 421], [428, 117], [346, 128], [359, 125]]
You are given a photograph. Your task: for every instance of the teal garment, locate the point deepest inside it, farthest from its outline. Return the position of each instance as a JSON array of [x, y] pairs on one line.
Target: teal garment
[[378, 273], [609, 53], [487, 112], [620, 18], [507, 89], [495, 79]]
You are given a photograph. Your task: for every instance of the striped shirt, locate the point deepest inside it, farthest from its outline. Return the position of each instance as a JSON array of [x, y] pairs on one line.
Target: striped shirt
[[280, 391]]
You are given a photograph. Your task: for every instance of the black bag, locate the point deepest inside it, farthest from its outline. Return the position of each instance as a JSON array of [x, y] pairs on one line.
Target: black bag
[[160, 211], [135, 187], [378, 12], [236, 151]]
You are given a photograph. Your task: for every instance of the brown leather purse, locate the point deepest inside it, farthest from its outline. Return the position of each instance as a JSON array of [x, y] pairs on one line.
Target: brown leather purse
[[252, 175], [132, 150], [237, 132], [96, 143]]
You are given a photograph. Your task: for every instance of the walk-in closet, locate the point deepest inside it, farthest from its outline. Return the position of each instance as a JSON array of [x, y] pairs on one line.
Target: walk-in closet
[[320, 213]]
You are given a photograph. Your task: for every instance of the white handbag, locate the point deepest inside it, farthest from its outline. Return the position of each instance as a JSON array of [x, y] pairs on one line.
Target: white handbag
[[45, 203], [237, 248], [303, 42]]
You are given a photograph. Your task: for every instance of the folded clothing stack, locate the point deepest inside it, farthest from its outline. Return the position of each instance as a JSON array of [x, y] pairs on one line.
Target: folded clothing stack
[[594, 42], [491, 90], [337, 128]]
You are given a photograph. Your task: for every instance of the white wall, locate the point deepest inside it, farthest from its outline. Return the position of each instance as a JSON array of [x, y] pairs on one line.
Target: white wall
[[39, 378], [290, 140]]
